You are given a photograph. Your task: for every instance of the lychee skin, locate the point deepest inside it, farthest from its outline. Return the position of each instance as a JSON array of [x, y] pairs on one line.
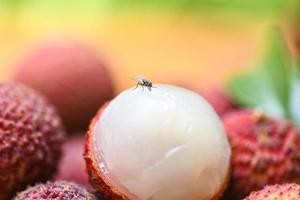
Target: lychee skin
[[264, 151], [281, 192], [31, 134], [56, 190], [72, 165], [219, 100], [72, 76], [95, 177]]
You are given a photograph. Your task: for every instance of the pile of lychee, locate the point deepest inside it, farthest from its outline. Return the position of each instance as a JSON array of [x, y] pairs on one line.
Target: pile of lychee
[[63, 135]]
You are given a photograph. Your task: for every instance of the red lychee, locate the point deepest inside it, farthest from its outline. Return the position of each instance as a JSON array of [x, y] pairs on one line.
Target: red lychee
[[72, 76], [72, 165], [31, 134], [264, 151], [58, 190], [219, 100], [277, 192]]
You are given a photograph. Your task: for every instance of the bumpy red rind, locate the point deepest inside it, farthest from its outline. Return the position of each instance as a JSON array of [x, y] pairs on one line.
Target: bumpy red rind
[[54, 191], [264, 151], [97, 178], [277, 192], [31, 135]]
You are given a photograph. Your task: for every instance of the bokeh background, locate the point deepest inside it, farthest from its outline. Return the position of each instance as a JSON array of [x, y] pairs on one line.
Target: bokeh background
[[189, 42]]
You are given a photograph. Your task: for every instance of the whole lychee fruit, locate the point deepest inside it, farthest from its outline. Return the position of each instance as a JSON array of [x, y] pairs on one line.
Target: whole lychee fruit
[[72, 76], [72, 165], [219, 100], [277, 192], [58, 190], [31, 134], [264, 151], [167, 143]]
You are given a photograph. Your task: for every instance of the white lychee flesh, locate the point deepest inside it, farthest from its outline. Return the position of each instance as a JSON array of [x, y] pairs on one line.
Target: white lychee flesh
[[163, 144]]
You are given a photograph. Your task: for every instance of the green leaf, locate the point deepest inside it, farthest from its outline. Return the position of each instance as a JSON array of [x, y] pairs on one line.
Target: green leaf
[[295, 96], [269, 86], [252, 90], [276, 68]]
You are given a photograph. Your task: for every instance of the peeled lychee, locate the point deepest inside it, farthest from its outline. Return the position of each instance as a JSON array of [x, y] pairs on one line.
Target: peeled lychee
[[167, 143], [58, 190], [72, 165], [264, 151], [31, 134], [277, 192], [219, 100], [72, 76]]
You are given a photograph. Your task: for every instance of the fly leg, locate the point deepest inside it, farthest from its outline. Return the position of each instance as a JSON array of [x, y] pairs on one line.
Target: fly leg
[[137, 85]]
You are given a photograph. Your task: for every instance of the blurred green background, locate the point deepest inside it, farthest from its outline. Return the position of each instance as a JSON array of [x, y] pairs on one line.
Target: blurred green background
[[189, 42]]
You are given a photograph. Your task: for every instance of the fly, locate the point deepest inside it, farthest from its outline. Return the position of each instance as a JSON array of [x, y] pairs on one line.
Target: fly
[[141, 81]]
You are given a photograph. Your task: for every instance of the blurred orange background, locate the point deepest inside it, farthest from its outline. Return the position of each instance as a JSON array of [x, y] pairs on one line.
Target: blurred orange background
[[193, 49]]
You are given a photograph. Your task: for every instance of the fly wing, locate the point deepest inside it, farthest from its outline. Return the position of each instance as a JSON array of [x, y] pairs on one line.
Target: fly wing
[[139, 78]]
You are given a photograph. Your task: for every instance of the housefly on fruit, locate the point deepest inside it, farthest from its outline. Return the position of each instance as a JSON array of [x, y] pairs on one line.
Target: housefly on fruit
[[141, 81]]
